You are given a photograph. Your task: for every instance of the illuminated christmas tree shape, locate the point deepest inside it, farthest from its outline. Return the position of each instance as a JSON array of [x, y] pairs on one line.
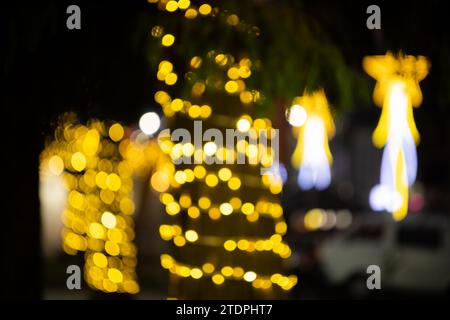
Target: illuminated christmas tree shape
[[397, 91], [225, 220], [311, 117]]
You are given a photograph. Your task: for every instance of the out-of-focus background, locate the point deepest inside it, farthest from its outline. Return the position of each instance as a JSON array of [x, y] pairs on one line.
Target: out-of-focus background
[[105, 71]]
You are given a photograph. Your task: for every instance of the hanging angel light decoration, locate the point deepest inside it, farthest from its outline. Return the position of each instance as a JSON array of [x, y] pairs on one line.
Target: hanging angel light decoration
[[313, 124], [397, 91]]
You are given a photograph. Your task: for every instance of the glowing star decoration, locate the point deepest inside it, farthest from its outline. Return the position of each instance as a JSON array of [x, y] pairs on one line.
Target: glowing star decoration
[[397, 91], [312, 154]]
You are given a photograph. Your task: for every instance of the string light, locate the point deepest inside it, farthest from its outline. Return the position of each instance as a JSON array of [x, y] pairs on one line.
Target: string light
[[227, 273], [273, 244], [97, 218], [194, 199]]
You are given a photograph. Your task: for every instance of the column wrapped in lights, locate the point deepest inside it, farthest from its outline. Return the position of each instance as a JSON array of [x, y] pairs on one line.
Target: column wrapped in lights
[[313, 125], [224, 220], [98, 219], [397, 91]]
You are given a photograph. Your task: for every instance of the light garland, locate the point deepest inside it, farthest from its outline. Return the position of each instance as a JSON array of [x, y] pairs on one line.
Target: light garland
[[273, 244], [186, 225], [227, 273], [98, 216]]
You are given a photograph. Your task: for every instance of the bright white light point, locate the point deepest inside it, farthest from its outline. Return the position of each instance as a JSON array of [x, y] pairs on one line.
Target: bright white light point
[[296, 115], [243, 125], [249, 276], [210, 148], [377, 197], [149, 123], [383, 198]]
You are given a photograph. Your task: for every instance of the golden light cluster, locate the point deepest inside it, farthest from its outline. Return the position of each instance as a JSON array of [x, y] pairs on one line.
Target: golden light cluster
[[235, 73], [193, 9], [201, 196], [98, 216], [219, 275]]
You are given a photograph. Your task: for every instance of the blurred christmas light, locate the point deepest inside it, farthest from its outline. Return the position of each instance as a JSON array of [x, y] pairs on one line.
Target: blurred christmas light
[[296, 115], [205, 203], [149, 123], [99, 206], [397, 92], [312, 154]]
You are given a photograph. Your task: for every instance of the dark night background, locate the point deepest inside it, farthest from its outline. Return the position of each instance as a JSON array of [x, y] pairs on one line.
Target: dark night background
[[102, 71]]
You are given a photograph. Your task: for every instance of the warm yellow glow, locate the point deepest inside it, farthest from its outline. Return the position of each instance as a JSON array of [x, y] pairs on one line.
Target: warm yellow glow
[[196, 273], [193, 212], [234, 183], [221, 59], [218, 279], [112, 248], [231, 86], [78, 161], [227, 271], [214, 213], [113, 182], [160, 181], [314, 219], [229, 245], [172, 6], [205, 9], [226, 209], [173, 208], [191, 236], [109, 220], [233, 20], [247, 208], [224, 174], [56, 165], [96, 230], [179, 241], [115, 275], [184, 4], [194, 111], [244, 72], [166, 261], [249, 276], [208, 268], [116, 132], [166, 198], [190, 13], [235, 203], [96, 219], [196, 62], [205, 111], [233, 73], [281, 227], [131, 286], [199, 172], [211, 180], [204, 203], [238, 272], [243, 244], [246, 97], [167, 40]]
